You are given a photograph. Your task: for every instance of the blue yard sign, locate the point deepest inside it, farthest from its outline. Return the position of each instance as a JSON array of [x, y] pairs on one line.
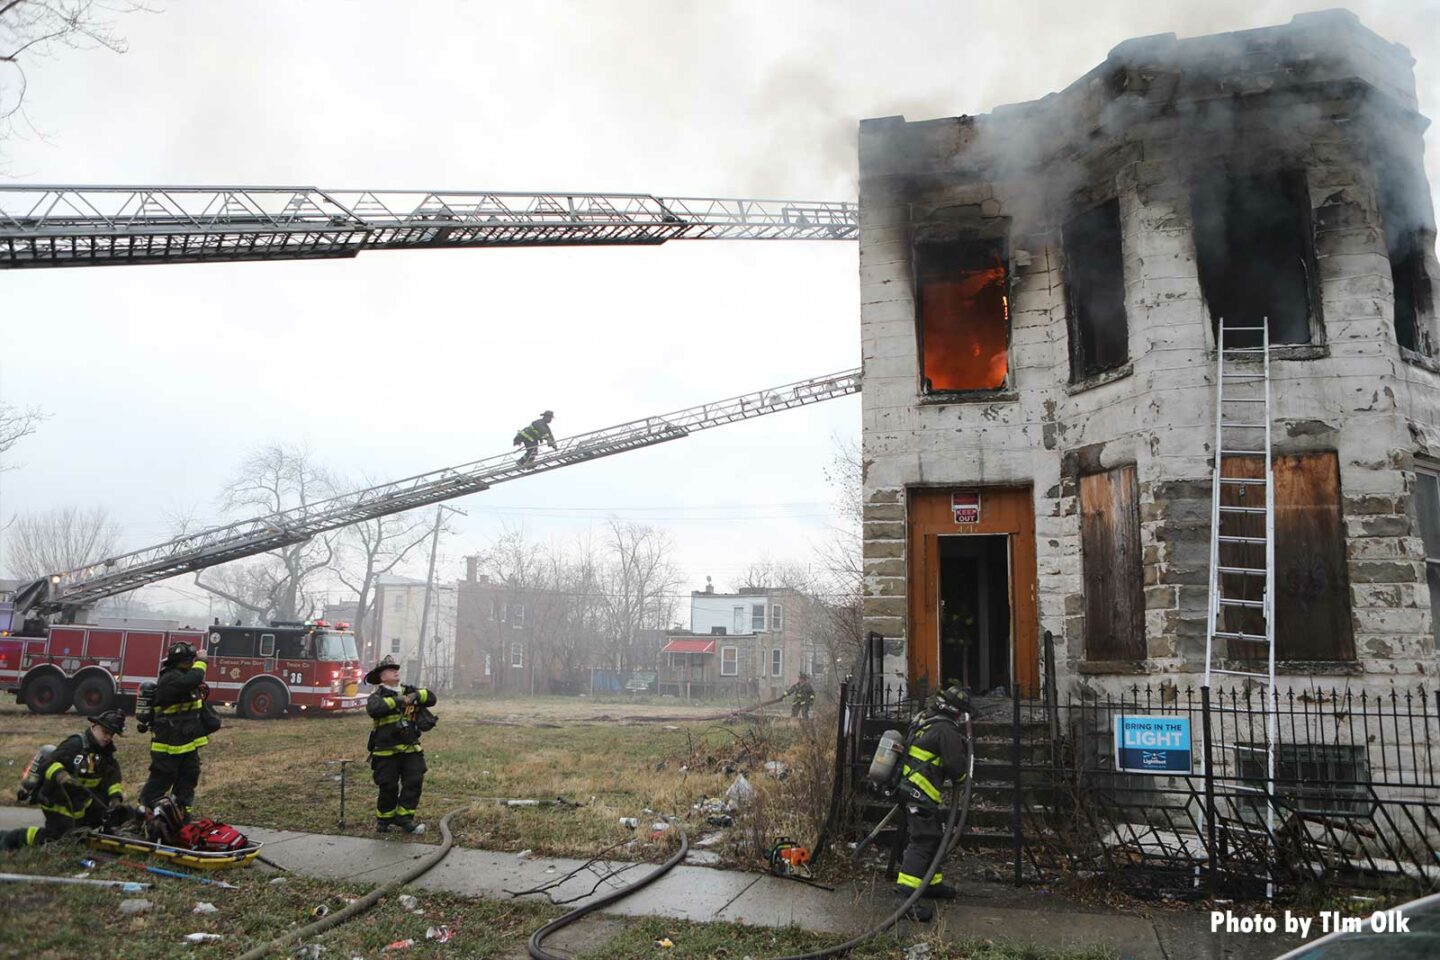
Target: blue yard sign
[[1152, 744]]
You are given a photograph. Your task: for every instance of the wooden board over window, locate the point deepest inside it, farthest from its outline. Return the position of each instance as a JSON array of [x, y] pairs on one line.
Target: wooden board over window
[[1110, 548], [1312, 584]]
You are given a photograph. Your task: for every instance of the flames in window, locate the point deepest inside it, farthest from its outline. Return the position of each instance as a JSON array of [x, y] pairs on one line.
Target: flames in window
[[964, 317]]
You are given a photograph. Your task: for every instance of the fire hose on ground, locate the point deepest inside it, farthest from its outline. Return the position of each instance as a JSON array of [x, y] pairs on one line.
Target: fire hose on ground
[[364, 903]]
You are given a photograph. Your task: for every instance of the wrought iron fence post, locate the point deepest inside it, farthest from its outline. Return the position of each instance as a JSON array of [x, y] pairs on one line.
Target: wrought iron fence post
[[842, 767], [1015, 769], [1211, 850]]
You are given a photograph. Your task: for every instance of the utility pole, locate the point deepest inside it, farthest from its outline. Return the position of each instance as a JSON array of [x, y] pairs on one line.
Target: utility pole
[[429, 585]]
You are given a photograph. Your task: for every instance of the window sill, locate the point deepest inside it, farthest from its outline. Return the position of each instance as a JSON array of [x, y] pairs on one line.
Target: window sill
[[1417, 359], [1100, 379], [1007, 395], [1128, 668], [1295, 351]]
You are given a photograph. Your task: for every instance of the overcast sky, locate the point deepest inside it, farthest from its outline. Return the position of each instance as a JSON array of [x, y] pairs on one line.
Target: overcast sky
[[158, 380]]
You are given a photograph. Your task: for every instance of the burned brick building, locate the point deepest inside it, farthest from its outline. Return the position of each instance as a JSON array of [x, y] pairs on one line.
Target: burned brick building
[[1041, 288]]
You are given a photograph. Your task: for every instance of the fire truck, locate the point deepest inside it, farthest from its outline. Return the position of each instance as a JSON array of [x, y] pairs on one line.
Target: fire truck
[[264, 672]]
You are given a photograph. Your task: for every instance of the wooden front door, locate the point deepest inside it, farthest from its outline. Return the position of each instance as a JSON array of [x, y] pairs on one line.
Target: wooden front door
[[931, 515]]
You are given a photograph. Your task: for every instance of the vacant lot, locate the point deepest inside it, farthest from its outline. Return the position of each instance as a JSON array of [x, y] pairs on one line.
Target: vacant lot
[[614, 759]]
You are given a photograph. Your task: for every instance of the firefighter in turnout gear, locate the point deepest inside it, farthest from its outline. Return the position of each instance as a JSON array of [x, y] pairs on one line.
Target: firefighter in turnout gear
[[178, 730], [804, 695], [78, 786], [936, 751], [532, 436], [397, 761]]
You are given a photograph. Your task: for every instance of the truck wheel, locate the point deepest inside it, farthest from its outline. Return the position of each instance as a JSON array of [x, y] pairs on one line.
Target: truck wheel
[[47, 693], [265, 700], [94, 694]]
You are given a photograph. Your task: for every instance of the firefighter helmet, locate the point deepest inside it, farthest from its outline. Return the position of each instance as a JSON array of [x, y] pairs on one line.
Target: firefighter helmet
[[179, 653], [388, 663], [548, 414], [953, 700], [112, 720]]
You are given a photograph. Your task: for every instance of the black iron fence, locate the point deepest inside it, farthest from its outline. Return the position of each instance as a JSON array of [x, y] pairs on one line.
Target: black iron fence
[[1353, 798]]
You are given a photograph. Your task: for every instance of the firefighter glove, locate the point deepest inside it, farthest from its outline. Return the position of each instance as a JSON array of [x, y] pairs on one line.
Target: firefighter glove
[[61, 776]]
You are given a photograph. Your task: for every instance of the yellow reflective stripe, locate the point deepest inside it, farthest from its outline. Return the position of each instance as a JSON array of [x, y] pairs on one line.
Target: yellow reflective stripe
[[403, 748], [199, 665], [384, 721], [925, 756], [389, 702], [908, 880], [925, 786], [73, 814], [173, 749], [30, 834], [51, 770], [404, 812], [384, 816], [938, 878], [424, 696], [115, 790], [182, 707], [88, 782]]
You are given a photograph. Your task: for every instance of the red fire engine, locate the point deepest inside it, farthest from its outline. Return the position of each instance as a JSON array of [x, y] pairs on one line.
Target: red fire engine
[[263, 671]]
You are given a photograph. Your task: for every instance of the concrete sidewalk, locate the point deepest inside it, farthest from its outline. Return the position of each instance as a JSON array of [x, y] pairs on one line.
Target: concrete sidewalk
[[698, 893]]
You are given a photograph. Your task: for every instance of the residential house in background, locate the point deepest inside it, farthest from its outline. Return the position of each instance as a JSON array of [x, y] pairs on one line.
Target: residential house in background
[[494, 642], [393, 628]]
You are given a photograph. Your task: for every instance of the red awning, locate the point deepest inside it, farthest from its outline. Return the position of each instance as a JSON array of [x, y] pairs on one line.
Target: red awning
[[689, 646]]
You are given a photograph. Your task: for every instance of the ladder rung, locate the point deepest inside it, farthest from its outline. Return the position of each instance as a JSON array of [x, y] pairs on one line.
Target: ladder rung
[[1244, 349], [1241, 453], [1241, 329], [1240, 673], [1253, 638], [1252, 571], [1242, 399], [1251, 481], [1229, 602], [1243, 376], [1247, 426], [1230, 539], [1224, 509]]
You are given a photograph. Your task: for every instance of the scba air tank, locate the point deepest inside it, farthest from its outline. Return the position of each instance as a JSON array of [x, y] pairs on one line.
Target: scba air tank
[[34, 774], [887, 754], [145, 706]]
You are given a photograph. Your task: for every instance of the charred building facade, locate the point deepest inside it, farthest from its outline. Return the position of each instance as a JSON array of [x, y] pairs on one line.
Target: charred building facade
[[1041, 288]]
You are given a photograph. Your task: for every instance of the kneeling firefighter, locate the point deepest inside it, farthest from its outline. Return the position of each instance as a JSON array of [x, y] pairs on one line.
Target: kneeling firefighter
[[936, 751], [397, 761], [77, 784], [181, 723]]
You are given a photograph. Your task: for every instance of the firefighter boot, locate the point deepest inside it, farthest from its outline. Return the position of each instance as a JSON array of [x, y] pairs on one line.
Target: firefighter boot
[[940, 891], [407, 825], [918, 911]]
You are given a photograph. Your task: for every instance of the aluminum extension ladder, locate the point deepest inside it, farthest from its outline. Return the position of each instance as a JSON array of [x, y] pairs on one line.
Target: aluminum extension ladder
[[1242, 430]]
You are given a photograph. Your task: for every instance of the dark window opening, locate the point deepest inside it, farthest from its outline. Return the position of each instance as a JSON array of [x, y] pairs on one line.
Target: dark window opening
[[1095, 292], [1312, 778], [964, 315], [975, 611], [1312, 584], [1426, 504], [1405, 246], [1112, 565], [1255, 251]]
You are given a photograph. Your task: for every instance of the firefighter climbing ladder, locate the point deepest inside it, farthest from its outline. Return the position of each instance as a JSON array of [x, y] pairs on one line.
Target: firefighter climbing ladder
[[75, 590], [1242, 419], [82, 226]]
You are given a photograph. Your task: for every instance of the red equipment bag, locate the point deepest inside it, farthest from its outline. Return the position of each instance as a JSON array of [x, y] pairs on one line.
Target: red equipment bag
[[211, 836]]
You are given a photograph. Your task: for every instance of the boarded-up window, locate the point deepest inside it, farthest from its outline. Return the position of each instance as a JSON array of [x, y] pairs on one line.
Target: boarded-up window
[[1110, 545], [1095, 292], [964, 315], [1255, 251], [1312, 585]]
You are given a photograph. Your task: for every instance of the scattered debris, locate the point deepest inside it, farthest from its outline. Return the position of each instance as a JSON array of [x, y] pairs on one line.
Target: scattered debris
[[918, 952], [440, 934], [665, 942], [723, 820], [631, 822], [776, 769], [203, 937], [132, 907], [703, 858], [277, 881], [408, 902], [312, 951], [398, 945], [709, 840], [323, 910], [203, 907], [660, 826], [524, 854]]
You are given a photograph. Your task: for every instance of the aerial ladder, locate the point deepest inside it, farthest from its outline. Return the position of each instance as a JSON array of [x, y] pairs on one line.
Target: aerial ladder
[[80, 226], [69, 594]]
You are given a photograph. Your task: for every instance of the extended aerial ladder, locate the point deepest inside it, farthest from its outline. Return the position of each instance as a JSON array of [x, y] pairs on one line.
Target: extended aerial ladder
[[77, 226], [71, 592]]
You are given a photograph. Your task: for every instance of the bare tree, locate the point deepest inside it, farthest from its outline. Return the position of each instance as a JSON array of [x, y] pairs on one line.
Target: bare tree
[[637, 580], [273, 587], [59, 540], [840, 569], [373, 548], [31, 30], [16, 424]]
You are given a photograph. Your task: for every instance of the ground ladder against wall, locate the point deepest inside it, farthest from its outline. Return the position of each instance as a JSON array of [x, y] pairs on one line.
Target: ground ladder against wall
[[1241, 627], [75, 590]]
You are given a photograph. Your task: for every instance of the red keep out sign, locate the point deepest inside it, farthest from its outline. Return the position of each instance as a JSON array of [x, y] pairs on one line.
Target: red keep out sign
[[966, 506]]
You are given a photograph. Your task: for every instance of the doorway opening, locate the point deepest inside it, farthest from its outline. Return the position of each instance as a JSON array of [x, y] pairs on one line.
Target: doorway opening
[[975, 612]]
